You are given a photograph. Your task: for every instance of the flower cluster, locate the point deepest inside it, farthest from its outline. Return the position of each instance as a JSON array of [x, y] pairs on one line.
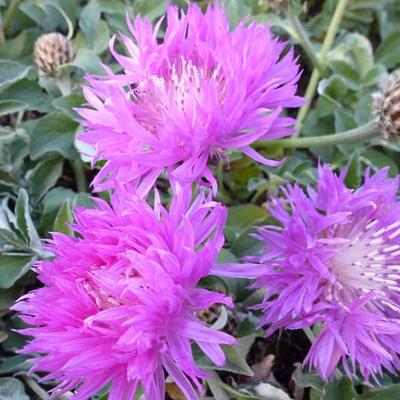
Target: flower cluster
[[334, 260], [119, 303], [202, 91]]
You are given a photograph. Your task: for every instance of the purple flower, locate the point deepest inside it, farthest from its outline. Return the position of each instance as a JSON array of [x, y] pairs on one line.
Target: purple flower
[[334, 260], [204, 90], [119, 303]]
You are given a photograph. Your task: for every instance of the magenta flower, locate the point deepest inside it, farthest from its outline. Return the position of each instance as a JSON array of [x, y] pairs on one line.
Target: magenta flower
[[204, 90], [119, 303], [334, 260]]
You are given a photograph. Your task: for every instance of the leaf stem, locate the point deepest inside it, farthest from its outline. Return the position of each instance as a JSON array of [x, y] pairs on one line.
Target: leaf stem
[[303, 38], [63, 82], [363, 132], [316, 74]]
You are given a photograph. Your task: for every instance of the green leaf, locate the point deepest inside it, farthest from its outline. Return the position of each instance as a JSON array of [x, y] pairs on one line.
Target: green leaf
[[374, 76], [356, 50], [24, 221], [67, 103], [362, 53], [346, 72], [96, 31], [240, 394], [64, 216], [376, 159], [12, 267], [52, 202], [339, 389], [14, 364], [7, 299], [11, 106], [90, 16], [241, 217], [235, 362], [12, 71], [311, 380], [87, 61], [391, 392], [237, 10], [18, 47], [29, 93], [151, 8], [112, 7], [353, 177], [334, 88], [12, 389], [226, 256], [54, 133], [387, 52], [11, 238], [214, 383], [44, 176], [46, 17]]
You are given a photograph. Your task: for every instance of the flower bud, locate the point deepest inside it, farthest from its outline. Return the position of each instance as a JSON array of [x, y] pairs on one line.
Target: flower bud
[[386, 106], [51, 51]]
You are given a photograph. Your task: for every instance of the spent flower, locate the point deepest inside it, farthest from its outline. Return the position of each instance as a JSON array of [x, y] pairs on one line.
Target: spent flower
[[386, 106]]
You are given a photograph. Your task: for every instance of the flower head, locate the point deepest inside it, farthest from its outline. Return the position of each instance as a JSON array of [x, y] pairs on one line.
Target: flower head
[[51, 51], [119, 303], [386, 106], [203, 90], [334, 259]]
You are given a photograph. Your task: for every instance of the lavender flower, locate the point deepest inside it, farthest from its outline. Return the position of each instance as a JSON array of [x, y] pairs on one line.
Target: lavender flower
[[119, 303], [204, 90], [334, 260]]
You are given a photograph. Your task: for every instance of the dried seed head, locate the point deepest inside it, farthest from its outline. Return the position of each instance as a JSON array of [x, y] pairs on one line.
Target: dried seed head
[[52, 50], [386, 106]]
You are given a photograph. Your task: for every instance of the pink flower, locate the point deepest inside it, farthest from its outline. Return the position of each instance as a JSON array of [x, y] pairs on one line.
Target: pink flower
[[204, 90], [334, 260], [119, 303]]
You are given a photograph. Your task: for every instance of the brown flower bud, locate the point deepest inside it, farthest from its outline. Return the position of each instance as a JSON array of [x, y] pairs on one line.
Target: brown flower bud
[[52, 50], [386, 107]]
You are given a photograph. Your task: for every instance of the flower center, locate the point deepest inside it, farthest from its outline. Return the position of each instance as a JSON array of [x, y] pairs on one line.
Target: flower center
[[187, 86], [368, 260]]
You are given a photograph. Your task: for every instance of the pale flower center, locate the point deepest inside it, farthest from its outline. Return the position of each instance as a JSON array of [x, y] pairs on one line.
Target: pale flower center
[[187, 86], [367, 262]]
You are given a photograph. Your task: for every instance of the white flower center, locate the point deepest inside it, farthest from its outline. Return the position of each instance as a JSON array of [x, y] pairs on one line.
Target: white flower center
[[368, 261]]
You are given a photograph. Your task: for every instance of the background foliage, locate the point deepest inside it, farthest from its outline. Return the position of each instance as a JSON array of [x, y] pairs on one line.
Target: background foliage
[[41, 178]]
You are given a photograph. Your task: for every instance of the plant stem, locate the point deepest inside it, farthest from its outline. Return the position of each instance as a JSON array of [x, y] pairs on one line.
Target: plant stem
[[363, 132], [36, 388], [9, 14], [310, 334], [316, 75], [303, 39], [64, 84], [79, 172]]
